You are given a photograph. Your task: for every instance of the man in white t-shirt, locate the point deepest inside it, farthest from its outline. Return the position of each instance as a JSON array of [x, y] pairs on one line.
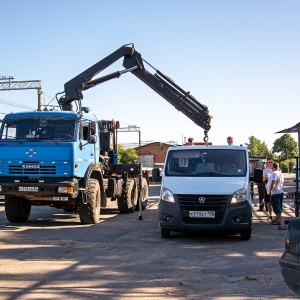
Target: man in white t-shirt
[[274, 188]]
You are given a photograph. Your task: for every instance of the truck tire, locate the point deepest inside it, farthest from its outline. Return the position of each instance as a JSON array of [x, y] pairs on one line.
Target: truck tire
[[144, 195], [89, 212], [128, 201], [17, 209], [246, 234]]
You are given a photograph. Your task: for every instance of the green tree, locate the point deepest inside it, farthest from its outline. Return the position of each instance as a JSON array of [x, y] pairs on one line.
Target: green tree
[[257, 148], [287, 148], [126, 156]]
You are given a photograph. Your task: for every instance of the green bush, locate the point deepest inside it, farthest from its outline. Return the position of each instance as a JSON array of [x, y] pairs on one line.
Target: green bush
[[284, 166]]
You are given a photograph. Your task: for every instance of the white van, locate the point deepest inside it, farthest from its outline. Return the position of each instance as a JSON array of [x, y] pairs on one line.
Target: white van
[[206, 188]]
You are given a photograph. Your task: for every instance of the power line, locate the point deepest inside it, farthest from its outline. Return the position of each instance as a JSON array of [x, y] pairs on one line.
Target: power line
[[16, 104]]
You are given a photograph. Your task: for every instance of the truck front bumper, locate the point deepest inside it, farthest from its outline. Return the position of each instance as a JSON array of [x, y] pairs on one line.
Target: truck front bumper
[[47, 190]]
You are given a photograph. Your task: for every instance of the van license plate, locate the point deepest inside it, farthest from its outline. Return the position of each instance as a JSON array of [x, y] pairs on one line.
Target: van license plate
[[28, 189], [202, 214]]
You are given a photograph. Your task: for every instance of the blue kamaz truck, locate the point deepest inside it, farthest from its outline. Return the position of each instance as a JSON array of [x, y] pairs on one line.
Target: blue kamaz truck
[[68, 159]]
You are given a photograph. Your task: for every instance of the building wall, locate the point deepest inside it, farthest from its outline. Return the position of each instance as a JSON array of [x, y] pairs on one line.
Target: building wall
[[159, 150]]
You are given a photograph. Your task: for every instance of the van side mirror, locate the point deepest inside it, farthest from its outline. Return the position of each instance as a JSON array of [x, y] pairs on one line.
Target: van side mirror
[[258, 175]]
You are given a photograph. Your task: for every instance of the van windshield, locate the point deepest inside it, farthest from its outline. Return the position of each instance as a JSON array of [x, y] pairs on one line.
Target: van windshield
[[35, 129], [206, 162]]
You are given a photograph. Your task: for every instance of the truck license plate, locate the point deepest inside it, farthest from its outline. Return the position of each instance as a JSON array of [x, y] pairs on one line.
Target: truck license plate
[[28, 189], [202, 214]]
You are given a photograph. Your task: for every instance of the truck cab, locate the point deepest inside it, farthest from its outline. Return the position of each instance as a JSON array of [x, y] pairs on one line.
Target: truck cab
[[48, 147]]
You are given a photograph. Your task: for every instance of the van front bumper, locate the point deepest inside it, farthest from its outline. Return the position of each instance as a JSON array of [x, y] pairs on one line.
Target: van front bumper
[[231, 217]]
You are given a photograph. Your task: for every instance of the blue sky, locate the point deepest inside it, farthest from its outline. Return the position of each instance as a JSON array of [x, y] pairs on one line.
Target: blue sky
[[239, 58]]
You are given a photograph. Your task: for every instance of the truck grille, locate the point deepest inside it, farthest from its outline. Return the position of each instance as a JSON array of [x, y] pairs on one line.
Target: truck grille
[[215, 203], [43, 170]]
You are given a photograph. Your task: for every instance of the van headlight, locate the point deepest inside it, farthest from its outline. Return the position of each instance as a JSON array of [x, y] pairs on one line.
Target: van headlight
[[167, 195], [239, 196]]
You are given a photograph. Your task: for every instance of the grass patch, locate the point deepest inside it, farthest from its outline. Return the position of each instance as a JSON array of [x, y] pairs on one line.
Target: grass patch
[[250, 278]]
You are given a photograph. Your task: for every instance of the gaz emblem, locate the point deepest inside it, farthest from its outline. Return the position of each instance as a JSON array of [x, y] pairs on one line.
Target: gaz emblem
[[201, 200]]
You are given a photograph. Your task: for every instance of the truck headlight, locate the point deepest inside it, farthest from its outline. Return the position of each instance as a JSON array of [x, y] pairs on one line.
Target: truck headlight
[[66, 189], [239, 196], [167, 195]]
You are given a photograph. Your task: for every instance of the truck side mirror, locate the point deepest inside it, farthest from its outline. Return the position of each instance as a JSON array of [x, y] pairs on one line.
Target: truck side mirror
[[93, 139]]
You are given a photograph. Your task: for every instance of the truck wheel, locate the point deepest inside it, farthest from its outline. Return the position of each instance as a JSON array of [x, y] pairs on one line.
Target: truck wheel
[[128, 201], [17, 209], [165, 233], [89, 212], [246, 234], [144, 194]]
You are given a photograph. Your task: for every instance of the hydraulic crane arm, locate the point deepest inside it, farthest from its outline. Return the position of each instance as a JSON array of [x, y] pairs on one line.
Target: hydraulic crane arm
[[174, 94], [160, 83], [83, 81]]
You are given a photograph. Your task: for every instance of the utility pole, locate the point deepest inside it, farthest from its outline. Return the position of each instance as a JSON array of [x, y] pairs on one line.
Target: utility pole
[[22, 85]]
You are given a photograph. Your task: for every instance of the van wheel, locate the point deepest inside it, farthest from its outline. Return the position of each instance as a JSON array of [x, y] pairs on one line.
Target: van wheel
[[165, 233], [246, 234]]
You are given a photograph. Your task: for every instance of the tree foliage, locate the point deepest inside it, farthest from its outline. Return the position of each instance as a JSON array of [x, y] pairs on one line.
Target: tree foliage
[[284, 150], [126, 156], [286, 146], [257, 147], [287, 149]]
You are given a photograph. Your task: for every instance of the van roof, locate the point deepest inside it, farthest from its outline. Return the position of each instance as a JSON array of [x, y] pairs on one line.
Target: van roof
[[226, 147]]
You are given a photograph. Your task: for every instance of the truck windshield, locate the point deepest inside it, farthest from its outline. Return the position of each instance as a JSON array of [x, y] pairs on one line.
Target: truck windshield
[[210, 162], [45, 129]]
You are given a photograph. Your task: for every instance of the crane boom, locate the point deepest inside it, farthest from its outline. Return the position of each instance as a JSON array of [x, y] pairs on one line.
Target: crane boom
[[182, 100]]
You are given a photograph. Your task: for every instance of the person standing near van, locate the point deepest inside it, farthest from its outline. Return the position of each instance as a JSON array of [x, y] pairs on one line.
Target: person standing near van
[[230, 141], [266, 175], [276, 192], [262, 192], [190, 141]]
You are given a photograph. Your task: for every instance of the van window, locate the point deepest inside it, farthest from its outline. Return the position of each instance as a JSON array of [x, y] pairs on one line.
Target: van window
[[208, 162]]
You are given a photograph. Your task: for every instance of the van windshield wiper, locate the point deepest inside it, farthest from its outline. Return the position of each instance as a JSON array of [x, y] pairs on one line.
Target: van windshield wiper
[[207, 173], [182, 171], [226, 175]]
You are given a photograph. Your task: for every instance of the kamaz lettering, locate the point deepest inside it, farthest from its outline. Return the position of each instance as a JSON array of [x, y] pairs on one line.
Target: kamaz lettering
[[31, 166]]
